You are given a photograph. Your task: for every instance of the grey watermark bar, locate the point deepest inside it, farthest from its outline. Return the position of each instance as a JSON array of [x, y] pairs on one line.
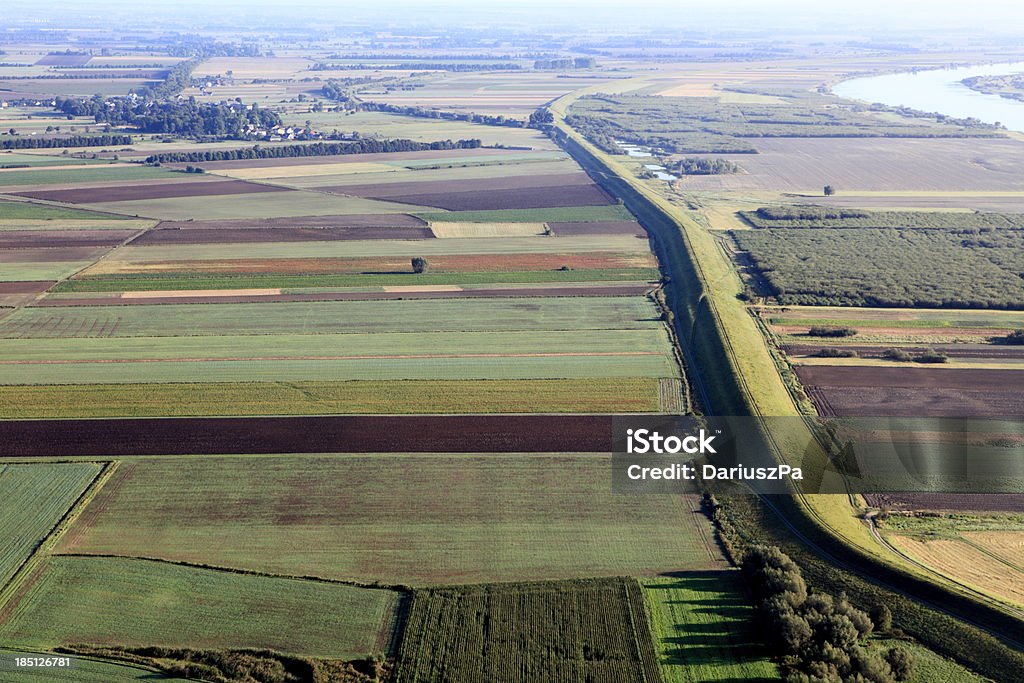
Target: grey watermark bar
[[818, 455]]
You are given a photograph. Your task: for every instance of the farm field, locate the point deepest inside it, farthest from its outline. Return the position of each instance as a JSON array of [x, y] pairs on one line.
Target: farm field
[[880, 165], [496, 517], [199, 398], [36, 497], [701, 626], [87, 671], [179, 606], [574, 630], [968, 564]]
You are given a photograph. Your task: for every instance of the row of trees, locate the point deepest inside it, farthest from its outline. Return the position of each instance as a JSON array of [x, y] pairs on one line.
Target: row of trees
[[363, 146], [704, 166], [36, 142], [565, 63], [821, 638]]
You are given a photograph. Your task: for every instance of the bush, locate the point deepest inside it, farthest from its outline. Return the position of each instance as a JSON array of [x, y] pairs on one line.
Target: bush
[[1015, 338], [821, 331], [881, 616], [931, 356], [420, 265], [831, 352], [898, 355]]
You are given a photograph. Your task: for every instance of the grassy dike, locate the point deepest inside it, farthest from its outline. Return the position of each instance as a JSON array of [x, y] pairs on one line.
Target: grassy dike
[[734, 374]]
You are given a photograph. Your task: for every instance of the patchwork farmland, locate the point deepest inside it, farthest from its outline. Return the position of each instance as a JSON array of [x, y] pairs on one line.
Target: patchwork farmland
[[314, 340]]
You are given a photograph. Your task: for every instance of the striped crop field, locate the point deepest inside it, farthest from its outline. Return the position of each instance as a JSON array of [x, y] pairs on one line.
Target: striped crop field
[[35, 498], [584, 630]]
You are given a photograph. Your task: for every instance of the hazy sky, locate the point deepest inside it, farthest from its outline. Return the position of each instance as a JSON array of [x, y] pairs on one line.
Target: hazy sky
[[874, 16]]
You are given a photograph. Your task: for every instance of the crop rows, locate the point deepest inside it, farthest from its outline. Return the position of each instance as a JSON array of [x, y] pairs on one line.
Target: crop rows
[[565, 632]]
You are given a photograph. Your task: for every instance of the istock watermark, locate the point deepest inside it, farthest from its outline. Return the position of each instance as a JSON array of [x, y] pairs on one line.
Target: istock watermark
[[783, 455]]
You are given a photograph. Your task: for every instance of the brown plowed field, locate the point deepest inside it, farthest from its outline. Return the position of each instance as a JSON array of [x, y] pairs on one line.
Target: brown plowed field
[[923, 378], [524, 198], [33, 287], [335, 434], [22, 239], [450, 263], [361, 158], [951, 350], [478, 293], [127, 193], [250, 235], [389, 220], [44, 255], [514, 182], [987, 502], [598, 228], [914, 392]]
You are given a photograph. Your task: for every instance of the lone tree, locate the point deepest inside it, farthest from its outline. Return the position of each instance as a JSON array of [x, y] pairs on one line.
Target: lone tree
[[829, 190], [420, 265]]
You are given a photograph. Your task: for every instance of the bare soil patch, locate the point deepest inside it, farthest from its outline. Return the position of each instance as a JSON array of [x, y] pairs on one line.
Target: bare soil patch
[[336, 434]]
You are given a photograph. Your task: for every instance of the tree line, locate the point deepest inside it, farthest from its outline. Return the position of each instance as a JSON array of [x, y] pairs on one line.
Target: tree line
[[67, 141], [363, 146]]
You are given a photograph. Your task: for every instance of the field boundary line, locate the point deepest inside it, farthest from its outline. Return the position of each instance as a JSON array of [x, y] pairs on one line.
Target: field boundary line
[[36, 559], [397, 587]]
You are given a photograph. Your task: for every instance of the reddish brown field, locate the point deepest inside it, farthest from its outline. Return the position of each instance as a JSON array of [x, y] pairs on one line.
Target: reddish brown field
[[360, 158], [24, 239], [444, 187], [524, 198], [598, 228], [335, 434], [44, 255], [951, 350], [125, 193], [452, 263], [912, 378], [389, 220], [34, 287], [475, 293], [986, 502], [249, 235]]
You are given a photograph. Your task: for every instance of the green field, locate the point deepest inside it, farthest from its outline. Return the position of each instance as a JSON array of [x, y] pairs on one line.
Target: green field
[[126, 283], [40, 212], [416, 519], [593, 395], [703, 629], [195, 254], [650, 340], [257, 205], [83, 671], [135, 602], [587, 630], [84, 174], [612, 212], [40, 270], [331, 370], [34, 499], [320, 317], [14, 159]]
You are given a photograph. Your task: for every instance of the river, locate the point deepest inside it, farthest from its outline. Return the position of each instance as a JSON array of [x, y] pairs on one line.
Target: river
[[940, 90]]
